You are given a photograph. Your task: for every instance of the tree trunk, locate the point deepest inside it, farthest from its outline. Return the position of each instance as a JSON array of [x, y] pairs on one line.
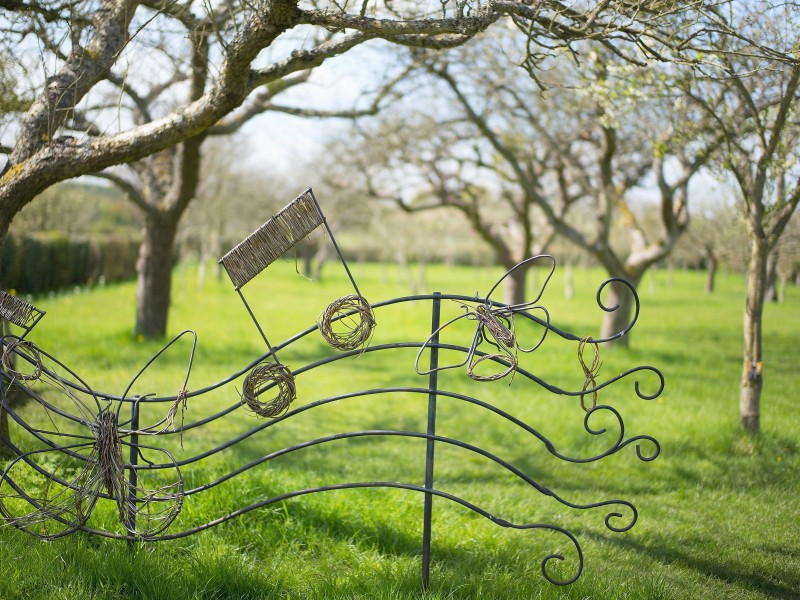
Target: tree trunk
[[569, 287], [5, 451], [771, 289], [711, 272], [617, 320], [752, 379], [154, 275], [306, 251], [201, 272], [514, 285], [320, 258]]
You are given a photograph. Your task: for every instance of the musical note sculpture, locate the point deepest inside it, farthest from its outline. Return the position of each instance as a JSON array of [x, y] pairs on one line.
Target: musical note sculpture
[[52, 487]]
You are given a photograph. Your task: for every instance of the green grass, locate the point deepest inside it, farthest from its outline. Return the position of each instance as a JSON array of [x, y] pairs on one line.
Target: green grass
[[719, 515]]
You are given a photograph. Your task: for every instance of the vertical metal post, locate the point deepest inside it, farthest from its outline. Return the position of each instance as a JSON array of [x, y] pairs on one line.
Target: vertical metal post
[[433, 382], [133, 460], [335, 245], [258, 326]]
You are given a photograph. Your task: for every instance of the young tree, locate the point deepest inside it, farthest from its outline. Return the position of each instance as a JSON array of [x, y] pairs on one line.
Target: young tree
[[754, 103]]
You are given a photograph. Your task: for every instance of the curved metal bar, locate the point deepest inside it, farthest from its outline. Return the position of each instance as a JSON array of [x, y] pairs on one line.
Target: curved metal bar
[[435, 336], [544, 333], [51, 477], [530, 303], [525, 373], [42, 438], [25, 457], [609, 309], [51, 407], [414, 298], [79, 384], [618, 444], [397, 345], [401, 345], [70, 526], [152, 360], [418, 435], [371, 484]]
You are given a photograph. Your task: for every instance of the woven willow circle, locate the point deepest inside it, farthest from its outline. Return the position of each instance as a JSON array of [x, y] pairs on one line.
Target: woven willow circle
[[261, 377], [22, 347], [494, 377], [354, 319]]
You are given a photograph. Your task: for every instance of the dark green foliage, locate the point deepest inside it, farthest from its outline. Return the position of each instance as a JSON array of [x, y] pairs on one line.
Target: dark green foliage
[[44, 262]]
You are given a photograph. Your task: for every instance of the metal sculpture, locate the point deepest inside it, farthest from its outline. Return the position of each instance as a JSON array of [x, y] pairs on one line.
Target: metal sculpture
[[90, 464], [254, 254], [93, 464], [496, 326]]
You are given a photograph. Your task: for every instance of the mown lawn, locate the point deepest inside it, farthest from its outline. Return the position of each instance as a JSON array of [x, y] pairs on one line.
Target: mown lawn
[[719, 515]]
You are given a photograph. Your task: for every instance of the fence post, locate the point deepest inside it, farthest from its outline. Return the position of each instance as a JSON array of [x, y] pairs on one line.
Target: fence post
[[433, 381], [133, 460]]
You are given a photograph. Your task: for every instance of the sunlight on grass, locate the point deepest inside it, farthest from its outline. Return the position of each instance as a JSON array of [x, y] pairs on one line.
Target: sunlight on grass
[[718, 512]]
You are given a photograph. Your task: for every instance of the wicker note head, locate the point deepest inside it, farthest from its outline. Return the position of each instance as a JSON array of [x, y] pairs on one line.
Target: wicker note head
[[17, 311], [347, 323], [270, 241]]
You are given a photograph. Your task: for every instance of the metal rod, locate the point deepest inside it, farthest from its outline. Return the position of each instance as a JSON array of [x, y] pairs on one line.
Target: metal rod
[[258, 326], [137, 499], [335, 245], [433, 382], [133, 460]]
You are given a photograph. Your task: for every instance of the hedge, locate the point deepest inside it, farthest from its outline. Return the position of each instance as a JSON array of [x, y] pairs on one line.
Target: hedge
[[45, 262]]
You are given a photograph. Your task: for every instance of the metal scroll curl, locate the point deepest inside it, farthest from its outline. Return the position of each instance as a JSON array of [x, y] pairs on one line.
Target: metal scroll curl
[[609, 309]]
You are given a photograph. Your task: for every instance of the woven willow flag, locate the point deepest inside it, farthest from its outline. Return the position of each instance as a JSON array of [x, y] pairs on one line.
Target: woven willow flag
[[17, 311], [270, 241], [353, 314]]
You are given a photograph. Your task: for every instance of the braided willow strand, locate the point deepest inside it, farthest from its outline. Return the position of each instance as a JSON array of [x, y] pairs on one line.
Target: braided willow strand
[[503, 334], [16, 310], [589, 372], [270, 241], [17, 347], [512, 358]]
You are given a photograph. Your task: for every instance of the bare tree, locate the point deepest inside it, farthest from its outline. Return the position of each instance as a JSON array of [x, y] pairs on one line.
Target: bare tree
[[753, 103], [525, 164], [49, 145], [92, 44]]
